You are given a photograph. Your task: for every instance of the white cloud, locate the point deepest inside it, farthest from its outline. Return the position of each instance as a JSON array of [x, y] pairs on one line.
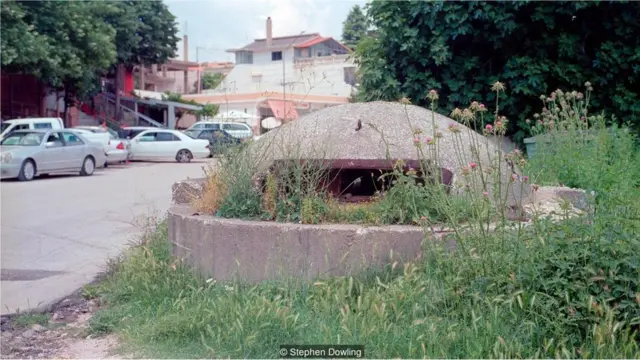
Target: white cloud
[[291, 17]]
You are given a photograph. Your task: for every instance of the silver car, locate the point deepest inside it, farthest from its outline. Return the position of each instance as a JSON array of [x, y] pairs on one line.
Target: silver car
[[25, 154]]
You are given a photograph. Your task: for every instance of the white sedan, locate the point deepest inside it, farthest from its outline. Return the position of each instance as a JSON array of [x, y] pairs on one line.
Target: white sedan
[[163, 144]]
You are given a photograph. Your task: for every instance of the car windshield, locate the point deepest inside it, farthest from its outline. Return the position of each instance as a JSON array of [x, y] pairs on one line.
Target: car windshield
[[113, 133], [23, 139], [5, 126], [192, 133]]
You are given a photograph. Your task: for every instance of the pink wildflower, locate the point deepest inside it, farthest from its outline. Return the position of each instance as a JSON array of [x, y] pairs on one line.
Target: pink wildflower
[[525, 179], [428, 140], [489, 127], [514, 177], [485, 194], [473, 165]]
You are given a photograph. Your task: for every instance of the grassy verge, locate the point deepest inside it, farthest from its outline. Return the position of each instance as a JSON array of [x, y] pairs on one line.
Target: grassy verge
[[562, 290], [26, 320]]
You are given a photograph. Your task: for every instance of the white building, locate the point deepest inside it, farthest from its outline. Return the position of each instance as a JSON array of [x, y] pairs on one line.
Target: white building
[[284, 77]]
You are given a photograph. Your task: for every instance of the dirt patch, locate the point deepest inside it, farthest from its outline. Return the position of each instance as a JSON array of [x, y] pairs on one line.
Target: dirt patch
[[62, 333]]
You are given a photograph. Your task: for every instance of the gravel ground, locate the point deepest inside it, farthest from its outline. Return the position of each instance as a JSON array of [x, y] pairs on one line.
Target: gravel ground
[[64, 336]]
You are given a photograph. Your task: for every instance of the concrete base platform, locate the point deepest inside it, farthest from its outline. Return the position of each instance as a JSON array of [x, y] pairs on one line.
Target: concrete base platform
[[254, 251]]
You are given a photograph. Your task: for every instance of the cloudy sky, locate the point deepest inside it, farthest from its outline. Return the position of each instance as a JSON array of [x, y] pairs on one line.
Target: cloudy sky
[[217, 25]]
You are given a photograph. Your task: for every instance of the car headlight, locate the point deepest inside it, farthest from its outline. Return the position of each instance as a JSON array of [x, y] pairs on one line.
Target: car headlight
[[6, 158]]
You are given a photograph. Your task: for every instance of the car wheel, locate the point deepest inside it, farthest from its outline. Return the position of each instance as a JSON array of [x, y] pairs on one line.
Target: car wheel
[[88, 166], [27, 171], [184, 156], [105, 165]]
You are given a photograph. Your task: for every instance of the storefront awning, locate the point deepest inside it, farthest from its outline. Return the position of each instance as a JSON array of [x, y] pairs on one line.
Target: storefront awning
[[283, 110]]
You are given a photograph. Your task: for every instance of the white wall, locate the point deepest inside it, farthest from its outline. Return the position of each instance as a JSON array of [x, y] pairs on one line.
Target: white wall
[[324, 77]]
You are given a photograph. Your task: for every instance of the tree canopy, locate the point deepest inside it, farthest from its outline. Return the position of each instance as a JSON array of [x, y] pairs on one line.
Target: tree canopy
[[460, 48], [146, 32], [64, 41], [211, 80], [70, 45], [355, 27]]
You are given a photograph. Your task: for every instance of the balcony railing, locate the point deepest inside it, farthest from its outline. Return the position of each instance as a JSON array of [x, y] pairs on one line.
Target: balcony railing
[[322, 60]]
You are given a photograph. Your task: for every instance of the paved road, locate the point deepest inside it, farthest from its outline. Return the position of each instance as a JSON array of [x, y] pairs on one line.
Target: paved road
[[57, 233]]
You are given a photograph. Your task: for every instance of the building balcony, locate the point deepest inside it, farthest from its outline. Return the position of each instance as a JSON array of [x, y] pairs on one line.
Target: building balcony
[[301, 62], [158, 79]]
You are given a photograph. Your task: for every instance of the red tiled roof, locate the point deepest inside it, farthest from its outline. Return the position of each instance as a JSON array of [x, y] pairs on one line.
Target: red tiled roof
[[277, 42], [319, 40], [312, 42]]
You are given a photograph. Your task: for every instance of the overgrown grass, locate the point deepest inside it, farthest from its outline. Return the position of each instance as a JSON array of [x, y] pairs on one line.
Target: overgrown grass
[[566, 289], [26, 320]]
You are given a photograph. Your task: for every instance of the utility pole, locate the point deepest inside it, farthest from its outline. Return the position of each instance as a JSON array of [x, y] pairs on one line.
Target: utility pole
[[284, 83], [199, 82]]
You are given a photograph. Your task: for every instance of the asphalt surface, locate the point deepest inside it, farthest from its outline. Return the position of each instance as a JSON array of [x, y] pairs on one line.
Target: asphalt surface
[[58, 233]]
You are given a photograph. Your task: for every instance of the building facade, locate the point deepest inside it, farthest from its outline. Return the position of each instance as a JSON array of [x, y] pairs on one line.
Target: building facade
[[285, 77]]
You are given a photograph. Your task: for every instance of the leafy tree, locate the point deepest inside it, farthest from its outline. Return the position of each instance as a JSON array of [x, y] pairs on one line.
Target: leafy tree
[[209, 110], [211, 80], [355, 27], [65, 46], [71, 45], [460, 48], [146, 32], [22, 48]]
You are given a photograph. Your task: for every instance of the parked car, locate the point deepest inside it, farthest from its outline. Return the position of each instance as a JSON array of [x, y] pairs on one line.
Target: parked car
[[218, 139], [99, 129], [30, 124], [114, 148], [159, 144], [25, 154], [235, 129], [129, 132]]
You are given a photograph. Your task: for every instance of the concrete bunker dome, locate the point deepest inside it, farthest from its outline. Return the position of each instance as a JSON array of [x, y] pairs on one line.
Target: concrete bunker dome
[[369, 135]]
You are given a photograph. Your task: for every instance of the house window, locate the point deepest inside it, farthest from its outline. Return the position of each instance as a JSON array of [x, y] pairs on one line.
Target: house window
[[350, 75], [276, 56], [244, 57]]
